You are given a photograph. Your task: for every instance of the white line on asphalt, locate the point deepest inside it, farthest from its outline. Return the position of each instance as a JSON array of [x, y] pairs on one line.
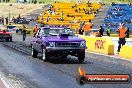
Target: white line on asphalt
[[5, 81], [112, 56], [5, 84]]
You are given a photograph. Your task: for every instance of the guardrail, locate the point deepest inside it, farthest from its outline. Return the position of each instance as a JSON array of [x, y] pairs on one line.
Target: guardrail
[[116, 39], [102, 45], [126, 52]]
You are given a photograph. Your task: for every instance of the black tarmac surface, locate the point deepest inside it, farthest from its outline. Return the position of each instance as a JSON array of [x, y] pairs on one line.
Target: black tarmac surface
[[15, 60]]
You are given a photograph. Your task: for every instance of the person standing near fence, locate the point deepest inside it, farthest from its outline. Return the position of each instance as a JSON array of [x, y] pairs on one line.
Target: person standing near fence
[[87, 28], [6, 20], [35, 29], [101, 31], [2, 20], [108, 30], [127, 36], [24, 32]]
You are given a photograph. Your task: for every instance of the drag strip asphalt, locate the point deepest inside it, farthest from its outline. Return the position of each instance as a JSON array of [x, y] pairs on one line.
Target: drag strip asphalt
[[59, 72]]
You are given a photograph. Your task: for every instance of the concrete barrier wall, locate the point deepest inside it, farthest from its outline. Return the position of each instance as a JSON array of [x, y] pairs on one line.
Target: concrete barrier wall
[[99, 44], [107, 45], [126, 52], [116, 39]]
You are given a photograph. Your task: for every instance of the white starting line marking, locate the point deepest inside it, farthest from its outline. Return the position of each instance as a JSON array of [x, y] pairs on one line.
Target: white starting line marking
[[5, 82], [112, 56]]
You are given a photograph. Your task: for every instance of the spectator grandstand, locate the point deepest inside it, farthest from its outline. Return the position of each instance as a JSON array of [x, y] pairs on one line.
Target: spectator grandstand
[[118, 13], [71, 14]]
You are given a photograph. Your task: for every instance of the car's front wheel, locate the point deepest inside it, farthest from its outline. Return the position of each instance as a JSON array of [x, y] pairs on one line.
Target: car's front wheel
[[34, 52], [81, 56], [11, 39], [45, 55], [7, 39]]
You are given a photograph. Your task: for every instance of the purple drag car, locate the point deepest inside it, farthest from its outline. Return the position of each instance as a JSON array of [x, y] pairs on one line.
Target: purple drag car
[[57, 41]]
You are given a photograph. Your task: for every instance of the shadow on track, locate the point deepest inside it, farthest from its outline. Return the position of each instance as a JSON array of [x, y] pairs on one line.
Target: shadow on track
[[69, 60], [1, 41]]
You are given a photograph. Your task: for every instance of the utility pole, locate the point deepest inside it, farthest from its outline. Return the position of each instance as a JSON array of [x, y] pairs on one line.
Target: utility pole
[[9, 14]]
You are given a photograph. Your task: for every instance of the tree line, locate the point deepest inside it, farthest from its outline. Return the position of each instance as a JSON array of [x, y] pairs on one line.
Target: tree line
[[5, 1]]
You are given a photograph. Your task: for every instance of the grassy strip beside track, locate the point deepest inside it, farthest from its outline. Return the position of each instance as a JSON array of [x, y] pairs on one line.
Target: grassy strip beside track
[[17, 9], [105, 1], [117, 1]]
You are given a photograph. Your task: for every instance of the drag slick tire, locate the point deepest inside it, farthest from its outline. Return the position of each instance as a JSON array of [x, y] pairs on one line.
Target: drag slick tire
[[10, 39], [45, 57], [34, 52], [81, 56]]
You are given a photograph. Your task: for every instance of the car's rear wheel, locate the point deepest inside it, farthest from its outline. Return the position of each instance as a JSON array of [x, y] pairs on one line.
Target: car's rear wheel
[[34, 52], [81, 56], [45, 55]]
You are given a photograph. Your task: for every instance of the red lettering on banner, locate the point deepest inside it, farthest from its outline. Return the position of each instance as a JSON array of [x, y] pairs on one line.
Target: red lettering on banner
[[99, 44]]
